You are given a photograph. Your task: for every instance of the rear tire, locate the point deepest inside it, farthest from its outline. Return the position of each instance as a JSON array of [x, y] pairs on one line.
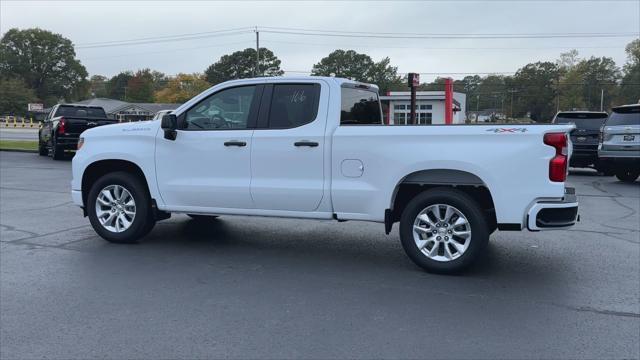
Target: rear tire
[[42, 149], [57, 152], [627, 175], [123, 228], [444, 235]]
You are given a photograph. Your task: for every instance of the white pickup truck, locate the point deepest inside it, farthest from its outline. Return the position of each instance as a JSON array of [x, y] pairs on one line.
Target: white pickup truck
[[317, 148]]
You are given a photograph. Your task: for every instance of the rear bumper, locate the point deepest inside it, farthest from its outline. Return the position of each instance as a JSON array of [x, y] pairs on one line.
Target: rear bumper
[[554, 215], [619, 154], [68, 142]]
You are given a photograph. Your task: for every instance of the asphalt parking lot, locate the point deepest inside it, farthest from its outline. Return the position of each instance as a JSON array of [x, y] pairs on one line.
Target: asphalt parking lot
[[243, 287]]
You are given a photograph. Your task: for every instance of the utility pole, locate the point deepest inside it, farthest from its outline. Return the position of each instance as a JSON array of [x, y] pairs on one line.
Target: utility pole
[[257, 72], [477, 107], [601, 99]]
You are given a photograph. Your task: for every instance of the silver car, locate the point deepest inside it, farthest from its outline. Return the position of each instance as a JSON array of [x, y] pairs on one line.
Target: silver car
[[619, 145]]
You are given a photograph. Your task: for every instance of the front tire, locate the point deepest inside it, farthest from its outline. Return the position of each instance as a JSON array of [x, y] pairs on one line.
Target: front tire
[[443, 230], [119, 208], [627, 175]]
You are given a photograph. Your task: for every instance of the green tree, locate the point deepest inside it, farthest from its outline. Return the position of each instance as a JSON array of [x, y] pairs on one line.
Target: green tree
[[117, 85], [630, 85], [98, 86], [181, 88], [45, 61], [360, 67], [14, 96], [599, 74], [242, 65], [140, 86], [537, 84]]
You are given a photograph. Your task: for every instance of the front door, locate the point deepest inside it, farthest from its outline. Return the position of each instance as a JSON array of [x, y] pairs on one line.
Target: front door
[[287, 153], [208, 164]]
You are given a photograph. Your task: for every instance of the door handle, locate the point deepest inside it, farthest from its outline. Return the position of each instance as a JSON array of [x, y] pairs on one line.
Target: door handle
[[305, 143], [235, 143]]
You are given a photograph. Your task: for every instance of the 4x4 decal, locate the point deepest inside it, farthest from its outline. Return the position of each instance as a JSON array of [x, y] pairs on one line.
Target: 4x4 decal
[[507, 130]]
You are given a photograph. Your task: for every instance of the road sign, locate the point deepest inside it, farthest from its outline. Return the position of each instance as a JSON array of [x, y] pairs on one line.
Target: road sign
[[35, 107], [414, 79]]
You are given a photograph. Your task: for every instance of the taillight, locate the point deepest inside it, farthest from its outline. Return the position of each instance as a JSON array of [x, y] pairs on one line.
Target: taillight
[[61, 125], [80, 143], [558, 164]]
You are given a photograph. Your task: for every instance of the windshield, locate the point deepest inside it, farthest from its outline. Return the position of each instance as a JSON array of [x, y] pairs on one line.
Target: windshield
[[629, 117], [84, 112], [588, 124]]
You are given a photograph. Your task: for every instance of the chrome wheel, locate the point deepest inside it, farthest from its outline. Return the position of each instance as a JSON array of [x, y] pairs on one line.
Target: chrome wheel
[[115, 208], [442, 232]]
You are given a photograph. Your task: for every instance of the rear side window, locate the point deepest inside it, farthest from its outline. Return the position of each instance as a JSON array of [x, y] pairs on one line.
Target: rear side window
[[629, 116], [360, 107], [293, 105]]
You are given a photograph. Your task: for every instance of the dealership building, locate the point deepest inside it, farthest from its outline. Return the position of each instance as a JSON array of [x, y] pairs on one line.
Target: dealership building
[[430, 107], [125, 111]]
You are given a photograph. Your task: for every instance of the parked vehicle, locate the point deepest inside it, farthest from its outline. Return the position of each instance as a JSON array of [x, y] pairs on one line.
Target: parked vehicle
[[619, 145], [584, 137], [316, 148], [160, 114], [63, 125]]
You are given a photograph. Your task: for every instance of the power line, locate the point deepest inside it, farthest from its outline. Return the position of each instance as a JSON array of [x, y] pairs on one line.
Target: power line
[[460, 36], [166, 36], [267, 28], [145, 42], [347, 34], [334, 45]]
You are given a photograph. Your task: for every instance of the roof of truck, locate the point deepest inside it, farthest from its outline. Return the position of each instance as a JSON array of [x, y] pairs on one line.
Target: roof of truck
[[338, 80]]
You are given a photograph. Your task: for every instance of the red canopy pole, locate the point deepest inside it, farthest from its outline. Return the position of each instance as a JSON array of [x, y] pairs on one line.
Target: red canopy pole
[[448, 101]]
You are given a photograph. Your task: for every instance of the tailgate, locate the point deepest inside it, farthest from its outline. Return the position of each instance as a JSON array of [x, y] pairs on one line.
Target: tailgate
[[75, 126]]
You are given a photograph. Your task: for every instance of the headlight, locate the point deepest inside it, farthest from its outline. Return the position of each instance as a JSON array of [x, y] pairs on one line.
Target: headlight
[[80, 143]]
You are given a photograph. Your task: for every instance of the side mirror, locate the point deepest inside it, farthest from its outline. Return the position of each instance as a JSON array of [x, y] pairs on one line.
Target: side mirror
[[169, 124]]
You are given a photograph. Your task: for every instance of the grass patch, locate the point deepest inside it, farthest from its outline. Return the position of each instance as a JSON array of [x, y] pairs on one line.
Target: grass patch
[[18, 145]]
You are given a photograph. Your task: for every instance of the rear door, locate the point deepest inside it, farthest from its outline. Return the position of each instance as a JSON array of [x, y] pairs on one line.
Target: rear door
[[287, 154]]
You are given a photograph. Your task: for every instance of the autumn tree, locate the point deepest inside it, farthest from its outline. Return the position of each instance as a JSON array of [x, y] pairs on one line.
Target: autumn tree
[[181, 88]]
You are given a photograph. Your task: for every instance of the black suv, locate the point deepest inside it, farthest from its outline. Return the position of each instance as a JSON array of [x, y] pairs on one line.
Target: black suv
[[584, 137]]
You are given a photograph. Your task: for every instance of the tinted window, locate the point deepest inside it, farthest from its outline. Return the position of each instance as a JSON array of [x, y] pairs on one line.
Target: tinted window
[[360, 107], [226, 109], [77, 111], [293, 105], [626, 117], [588, 124]]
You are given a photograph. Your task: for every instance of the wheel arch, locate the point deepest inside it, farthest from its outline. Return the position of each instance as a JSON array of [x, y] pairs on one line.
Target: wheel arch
[[418, 181], [99, 168]]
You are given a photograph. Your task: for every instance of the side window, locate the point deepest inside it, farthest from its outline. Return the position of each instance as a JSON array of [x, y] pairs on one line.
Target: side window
[[293, 105], [224, 110], [360, 107]]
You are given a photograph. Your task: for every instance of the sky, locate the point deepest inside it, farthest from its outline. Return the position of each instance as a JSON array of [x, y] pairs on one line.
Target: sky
[[88, 22]]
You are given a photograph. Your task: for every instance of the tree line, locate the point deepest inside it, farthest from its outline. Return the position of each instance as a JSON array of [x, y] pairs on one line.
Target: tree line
[[39, 66]]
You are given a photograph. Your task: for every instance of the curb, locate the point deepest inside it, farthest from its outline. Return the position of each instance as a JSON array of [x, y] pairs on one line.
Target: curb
[[20, 150]]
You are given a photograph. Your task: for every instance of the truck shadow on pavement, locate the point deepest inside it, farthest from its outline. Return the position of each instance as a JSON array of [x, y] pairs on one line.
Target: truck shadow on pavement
[[314, 245]]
